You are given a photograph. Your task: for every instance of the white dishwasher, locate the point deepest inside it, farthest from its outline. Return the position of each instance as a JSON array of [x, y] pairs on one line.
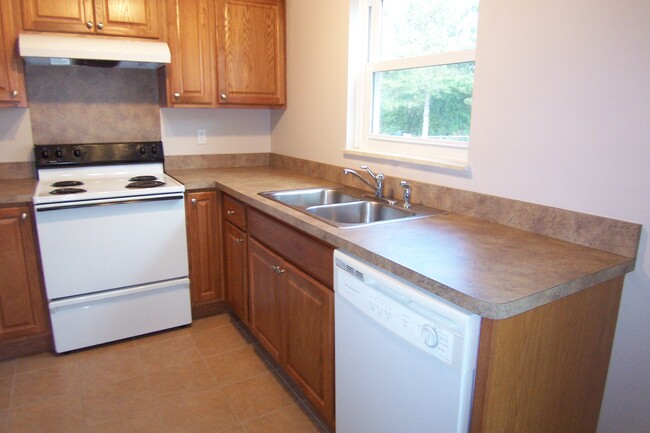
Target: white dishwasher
[[405, 358]]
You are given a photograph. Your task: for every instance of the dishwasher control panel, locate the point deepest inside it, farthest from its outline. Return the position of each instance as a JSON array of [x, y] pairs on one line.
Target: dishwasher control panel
[[396, 317]]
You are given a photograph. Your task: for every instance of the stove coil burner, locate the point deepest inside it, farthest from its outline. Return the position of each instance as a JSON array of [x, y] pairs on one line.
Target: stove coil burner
[[145, 184], [142, 178], [66, 183], [63, 191]]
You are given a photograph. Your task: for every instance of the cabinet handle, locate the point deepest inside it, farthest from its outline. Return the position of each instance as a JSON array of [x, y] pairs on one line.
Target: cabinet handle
[[193, 201], [89, 24], [277, 269], [239, 240], [177, 95], [100, 25], [230, 212], [223, 96], [24, 216], [14, 94]]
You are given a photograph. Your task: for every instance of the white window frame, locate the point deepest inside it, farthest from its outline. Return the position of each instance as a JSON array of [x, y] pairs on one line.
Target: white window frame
[[361, 69]]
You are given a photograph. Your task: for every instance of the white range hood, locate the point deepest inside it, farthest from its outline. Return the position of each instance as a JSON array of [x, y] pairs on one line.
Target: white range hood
[[57, 49]]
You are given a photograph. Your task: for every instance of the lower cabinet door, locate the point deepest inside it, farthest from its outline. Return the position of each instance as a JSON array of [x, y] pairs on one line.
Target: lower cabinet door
[[309, 311], [265, 297], [22, 310], [235, 246]]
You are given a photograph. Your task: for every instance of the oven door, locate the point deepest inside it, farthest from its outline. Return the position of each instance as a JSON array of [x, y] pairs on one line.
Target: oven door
[[89, 247]]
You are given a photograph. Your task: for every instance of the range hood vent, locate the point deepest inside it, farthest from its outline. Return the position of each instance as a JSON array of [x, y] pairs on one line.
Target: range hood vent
[[64, 50]]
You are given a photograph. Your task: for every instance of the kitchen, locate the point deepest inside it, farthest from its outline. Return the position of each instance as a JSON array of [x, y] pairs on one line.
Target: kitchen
[[575, 67]]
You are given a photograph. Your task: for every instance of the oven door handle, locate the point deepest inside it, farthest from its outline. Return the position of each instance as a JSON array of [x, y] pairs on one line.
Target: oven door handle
[[106, 202]]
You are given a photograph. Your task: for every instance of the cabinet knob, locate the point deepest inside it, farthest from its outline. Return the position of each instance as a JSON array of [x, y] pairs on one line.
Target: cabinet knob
[[100, 25], [177, 95], [223, 96], [230, 212], [193, 201], [89, 24], [240, 240], [14, 94], [24, 216]]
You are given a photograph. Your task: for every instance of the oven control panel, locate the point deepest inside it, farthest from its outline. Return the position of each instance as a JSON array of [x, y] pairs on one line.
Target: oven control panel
[[52, 155]]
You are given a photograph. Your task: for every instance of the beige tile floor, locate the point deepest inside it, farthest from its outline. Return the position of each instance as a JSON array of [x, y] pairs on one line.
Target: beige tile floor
[[208, 378]]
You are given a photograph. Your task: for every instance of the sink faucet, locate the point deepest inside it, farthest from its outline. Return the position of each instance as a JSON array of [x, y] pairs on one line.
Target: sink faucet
[[378, 178]]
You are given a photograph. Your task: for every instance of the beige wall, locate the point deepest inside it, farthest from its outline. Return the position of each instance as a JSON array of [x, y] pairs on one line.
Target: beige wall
[[560, 117]]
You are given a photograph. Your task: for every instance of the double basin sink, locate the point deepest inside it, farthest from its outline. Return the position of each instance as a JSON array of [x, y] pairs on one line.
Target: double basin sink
[[346, 207]]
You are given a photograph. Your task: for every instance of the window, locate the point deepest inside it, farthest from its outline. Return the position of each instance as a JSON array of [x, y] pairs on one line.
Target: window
[[411, 78]]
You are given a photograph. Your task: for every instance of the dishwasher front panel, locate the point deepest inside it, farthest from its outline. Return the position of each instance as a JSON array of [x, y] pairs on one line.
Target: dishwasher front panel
[[389, 378]]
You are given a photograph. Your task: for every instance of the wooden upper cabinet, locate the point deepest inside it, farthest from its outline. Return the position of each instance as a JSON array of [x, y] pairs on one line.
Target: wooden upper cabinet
[[251, 52], [12, 81], [192, 73], [133, 18]]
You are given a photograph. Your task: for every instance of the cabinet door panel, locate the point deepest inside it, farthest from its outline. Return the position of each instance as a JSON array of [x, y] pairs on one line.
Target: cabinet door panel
[[204, 247], [310, 340], [134, 18], [265, 297], [235, 247], [12, 87], [250, 43], [191, 41], [70, 16], [21, 298]]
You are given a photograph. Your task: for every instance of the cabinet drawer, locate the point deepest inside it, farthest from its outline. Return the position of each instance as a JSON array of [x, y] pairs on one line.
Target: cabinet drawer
[[306, 253], [234, 211]]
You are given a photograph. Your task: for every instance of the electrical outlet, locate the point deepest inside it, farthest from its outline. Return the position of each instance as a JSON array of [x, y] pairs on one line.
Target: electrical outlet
[[201, 137]]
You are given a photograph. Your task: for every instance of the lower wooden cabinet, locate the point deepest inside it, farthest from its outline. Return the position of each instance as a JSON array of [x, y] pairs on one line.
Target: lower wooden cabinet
[[292, 305], [22, 301], [235, 269], [204, 250], [265, 285], [309, 345]]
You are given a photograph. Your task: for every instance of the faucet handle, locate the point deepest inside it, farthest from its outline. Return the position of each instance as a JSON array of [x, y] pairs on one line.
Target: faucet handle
[[407, 193]]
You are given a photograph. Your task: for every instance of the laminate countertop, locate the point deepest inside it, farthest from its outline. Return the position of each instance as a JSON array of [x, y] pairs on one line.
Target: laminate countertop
[[487, 268], [14, 191]]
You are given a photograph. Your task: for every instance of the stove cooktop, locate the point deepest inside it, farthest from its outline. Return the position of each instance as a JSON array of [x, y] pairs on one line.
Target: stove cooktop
[[86, 172]]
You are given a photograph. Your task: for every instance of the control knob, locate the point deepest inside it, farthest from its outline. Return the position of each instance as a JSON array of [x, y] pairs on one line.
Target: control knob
[[142, 150], [429, 336], [45, 154], [58, 153], [154, 149], [76, 153]]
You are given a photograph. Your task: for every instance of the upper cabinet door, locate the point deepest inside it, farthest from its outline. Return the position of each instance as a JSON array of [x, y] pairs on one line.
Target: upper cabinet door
[[134, 18], [69, 16], [251, 52], [192, 72], [12, 82]]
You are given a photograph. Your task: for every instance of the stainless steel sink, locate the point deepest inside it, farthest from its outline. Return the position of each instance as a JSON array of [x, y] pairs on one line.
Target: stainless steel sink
[[360, 212], [310, 197], [346, 207]]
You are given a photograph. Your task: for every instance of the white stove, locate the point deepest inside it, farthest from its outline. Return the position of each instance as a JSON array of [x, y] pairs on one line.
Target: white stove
[[111, 229]]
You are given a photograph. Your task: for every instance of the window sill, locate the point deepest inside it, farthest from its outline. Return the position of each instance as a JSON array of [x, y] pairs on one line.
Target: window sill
[[447, 164]]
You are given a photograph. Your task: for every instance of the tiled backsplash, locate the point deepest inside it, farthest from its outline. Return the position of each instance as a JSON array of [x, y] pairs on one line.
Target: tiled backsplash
[[76, 104]]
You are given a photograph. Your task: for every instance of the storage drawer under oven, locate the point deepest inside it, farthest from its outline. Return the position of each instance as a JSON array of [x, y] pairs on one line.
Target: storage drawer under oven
[[87, 249]]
